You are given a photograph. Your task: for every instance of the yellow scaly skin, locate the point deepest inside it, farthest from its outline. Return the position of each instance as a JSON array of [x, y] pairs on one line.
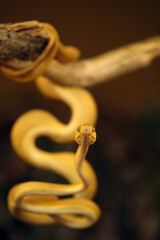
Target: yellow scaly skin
[[39, 202]]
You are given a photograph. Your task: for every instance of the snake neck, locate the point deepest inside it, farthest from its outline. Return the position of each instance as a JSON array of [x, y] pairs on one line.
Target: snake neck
[[79, 159]]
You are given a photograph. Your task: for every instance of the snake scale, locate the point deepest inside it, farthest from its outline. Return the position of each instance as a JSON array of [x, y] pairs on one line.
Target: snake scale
[[42, 203]]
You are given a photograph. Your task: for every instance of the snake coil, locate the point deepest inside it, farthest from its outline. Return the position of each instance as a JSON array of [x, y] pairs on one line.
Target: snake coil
[[40, 202]]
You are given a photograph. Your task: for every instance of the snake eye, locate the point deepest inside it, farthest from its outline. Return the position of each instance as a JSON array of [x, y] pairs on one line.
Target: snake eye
[[93, 129], [78, 129]]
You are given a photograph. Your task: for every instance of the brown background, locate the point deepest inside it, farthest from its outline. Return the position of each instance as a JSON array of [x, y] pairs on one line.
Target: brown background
[[126, 155]]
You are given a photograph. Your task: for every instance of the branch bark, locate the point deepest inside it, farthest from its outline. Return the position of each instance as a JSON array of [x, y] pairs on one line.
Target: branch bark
[[107, 66], [20, 47]]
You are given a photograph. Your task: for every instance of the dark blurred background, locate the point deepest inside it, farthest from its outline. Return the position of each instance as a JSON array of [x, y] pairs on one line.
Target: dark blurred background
[[126, 154]]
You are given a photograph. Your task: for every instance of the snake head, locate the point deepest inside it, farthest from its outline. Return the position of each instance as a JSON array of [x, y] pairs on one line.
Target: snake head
[[85, 134]]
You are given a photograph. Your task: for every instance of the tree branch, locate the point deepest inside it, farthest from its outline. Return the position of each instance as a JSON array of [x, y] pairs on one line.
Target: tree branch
[[107, 66], [20, 47]]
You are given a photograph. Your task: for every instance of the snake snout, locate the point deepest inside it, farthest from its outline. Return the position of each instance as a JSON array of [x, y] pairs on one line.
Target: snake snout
[[87, 130], [88, 136]]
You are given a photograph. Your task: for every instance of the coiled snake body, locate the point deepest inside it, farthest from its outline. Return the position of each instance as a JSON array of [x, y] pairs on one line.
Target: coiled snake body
[[39, 202]]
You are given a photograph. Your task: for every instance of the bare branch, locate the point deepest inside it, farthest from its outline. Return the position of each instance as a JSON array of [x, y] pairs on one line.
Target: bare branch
[[106, 66], [19, 47]]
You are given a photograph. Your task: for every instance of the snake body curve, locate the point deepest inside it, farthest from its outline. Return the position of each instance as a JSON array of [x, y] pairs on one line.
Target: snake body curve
[[38, 202]]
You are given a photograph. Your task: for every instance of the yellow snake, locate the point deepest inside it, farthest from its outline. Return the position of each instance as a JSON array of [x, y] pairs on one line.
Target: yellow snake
[[40, 202]]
